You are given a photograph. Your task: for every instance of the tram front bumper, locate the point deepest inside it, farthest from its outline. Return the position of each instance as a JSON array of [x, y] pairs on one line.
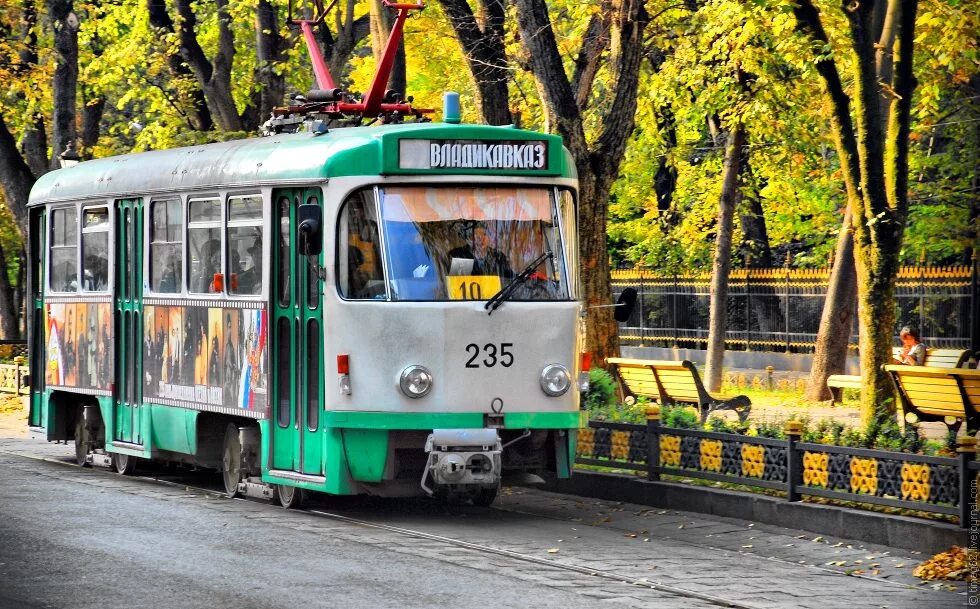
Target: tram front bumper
[[461, 460]]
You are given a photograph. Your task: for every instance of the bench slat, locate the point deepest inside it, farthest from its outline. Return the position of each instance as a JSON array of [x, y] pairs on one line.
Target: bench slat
[[919, 397], [932, 388], [959, 413]]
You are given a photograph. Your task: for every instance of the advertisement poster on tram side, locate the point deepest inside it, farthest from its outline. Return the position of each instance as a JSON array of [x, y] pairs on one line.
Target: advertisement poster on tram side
[[79, 345], [208, 356]]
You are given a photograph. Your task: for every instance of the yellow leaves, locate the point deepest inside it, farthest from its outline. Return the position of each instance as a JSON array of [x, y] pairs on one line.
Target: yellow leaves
[[953, 564]]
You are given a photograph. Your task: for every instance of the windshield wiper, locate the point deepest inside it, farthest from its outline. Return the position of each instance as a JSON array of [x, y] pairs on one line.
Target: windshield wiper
[[498, 299]]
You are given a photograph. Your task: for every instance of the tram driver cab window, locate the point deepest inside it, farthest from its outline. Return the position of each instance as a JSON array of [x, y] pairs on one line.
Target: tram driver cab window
[[358, 256]]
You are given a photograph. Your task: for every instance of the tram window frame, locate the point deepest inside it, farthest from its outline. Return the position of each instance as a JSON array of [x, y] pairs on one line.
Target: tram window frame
[[282, 225], [153, 244], [312, 275], [253, 219], [209, 224], [566, 213], [105, 229], [37, 240], [369, 198], [54, 247]]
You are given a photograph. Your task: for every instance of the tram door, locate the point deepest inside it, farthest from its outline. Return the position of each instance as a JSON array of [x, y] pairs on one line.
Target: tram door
[[127, 323], [38, 241], [297, 342]]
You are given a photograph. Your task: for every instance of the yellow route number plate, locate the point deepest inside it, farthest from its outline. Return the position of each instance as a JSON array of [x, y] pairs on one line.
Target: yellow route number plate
[[472, 287]]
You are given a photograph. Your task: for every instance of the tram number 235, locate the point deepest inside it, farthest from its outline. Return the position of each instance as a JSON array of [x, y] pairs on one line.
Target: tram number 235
[[492, 355]]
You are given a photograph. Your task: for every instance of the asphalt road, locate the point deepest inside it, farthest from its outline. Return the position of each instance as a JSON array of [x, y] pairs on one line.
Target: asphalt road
[[72, 543], [77, 538]]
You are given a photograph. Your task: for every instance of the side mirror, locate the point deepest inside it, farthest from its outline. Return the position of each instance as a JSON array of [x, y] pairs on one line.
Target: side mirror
[[625, 305], [310, 219]]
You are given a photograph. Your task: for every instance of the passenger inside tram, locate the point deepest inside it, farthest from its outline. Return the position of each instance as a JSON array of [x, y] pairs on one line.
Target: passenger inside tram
[[487, 259], [249, 271], [210, 264]]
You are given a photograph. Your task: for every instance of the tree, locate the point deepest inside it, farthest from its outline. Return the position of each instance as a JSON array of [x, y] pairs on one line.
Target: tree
[[597, 162], [65, 23], [482, 41], [876, 174], [197, 112], [214, 75], [717, 318]]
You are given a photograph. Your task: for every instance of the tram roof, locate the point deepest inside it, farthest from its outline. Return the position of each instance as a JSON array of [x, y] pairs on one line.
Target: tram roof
[[298, 157]]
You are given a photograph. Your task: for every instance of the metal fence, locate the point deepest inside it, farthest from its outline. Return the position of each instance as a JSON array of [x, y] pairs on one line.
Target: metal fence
[[931, 484], [779, 309]]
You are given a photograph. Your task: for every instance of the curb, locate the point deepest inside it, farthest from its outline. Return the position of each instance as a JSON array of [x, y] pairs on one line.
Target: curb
[[870, 527]]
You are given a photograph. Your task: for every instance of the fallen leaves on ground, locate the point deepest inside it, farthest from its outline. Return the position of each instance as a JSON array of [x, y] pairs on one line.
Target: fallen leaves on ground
[[11, 403], [954, 564]]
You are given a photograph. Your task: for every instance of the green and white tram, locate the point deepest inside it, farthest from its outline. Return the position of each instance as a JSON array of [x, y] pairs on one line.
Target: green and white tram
[[389, 310]]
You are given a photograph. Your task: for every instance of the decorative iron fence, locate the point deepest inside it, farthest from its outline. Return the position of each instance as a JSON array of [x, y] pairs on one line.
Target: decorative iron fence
[[12, 375], [778, 309], [930, 484], [12, 379]]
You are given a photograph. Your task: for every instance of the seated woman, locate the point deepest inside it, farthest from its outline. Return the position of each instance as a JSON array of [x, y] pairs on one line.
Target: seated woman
[[913, 351]]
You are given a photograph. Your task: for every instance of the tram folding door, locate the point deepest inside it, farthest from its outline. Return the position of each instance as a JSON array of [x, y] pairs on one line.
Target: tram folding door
[[128, 308], [38, 241], [297, 342]]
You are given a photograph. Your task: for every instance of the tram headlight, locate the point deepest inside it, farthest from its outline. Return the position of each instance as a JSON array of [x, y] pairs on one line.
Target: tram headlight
[[415, 381], [555, 380]]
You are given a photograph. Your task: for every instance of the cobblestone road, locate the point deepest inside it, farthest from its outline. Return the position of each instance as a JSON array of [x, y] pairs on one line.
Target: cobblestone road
[[540, 535]]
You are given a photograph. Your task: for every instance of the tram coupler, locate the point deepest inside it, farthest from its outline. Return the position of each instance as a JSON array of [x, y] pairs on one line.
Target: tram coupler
[[99, 459], [461, 461], [254, 487]]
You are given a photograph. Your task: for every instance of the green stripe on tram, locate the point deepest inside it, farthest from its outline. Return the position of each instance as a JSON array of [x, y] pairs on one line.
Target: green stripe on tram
[[449, 420]]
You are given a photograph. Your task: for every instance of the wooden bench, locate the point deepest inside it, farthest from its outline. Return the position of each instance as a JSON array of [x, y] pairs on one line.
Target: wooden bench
[[939, 394], [935, 358], [671, 383]]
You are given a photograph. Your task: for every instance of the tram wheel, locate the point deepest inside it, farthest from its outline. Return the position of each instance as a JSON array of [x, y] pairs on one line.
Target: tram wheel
[[231, 460], [124, 464], [289, 497], [485, 496], [81, 442]]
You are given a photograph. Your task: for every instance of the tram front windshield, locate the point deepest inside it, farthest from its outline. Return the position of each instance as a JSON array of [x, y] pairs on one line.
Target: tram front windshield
[[468, 243]]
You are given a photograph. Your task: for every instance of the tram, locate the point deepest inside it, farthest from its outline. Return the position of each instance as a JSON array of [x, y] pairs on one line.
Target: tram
[[390, 309]]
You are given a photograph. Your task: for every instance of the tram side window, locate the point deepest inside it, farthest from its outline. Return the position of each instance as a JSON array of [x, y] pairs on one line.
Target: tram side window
[[358, 256], [166, 246], [245, 245], [204, 246], [64, 253], [95, 249]]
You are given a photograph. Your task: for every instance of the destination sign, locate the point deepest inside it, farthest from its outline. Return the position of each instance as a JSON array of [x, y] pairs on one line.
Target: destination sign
[[465, 154]]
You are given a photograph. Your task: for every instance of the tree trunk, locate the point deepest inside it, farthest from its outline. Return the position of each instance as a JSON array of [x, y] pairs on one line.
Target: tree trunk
[[717, 316], [34, 140], [837, 318], [16, 178], [92, 113], [269, 52], [214, 77], [9, 328], [597, 166], [337, 49], [191, 98], [65, 82], [485, 49], [665, 178]]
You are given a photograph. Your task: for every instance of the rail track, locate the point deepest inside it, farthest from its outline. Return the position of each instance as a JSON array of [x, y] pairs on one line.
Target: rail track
[[183, 480]]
